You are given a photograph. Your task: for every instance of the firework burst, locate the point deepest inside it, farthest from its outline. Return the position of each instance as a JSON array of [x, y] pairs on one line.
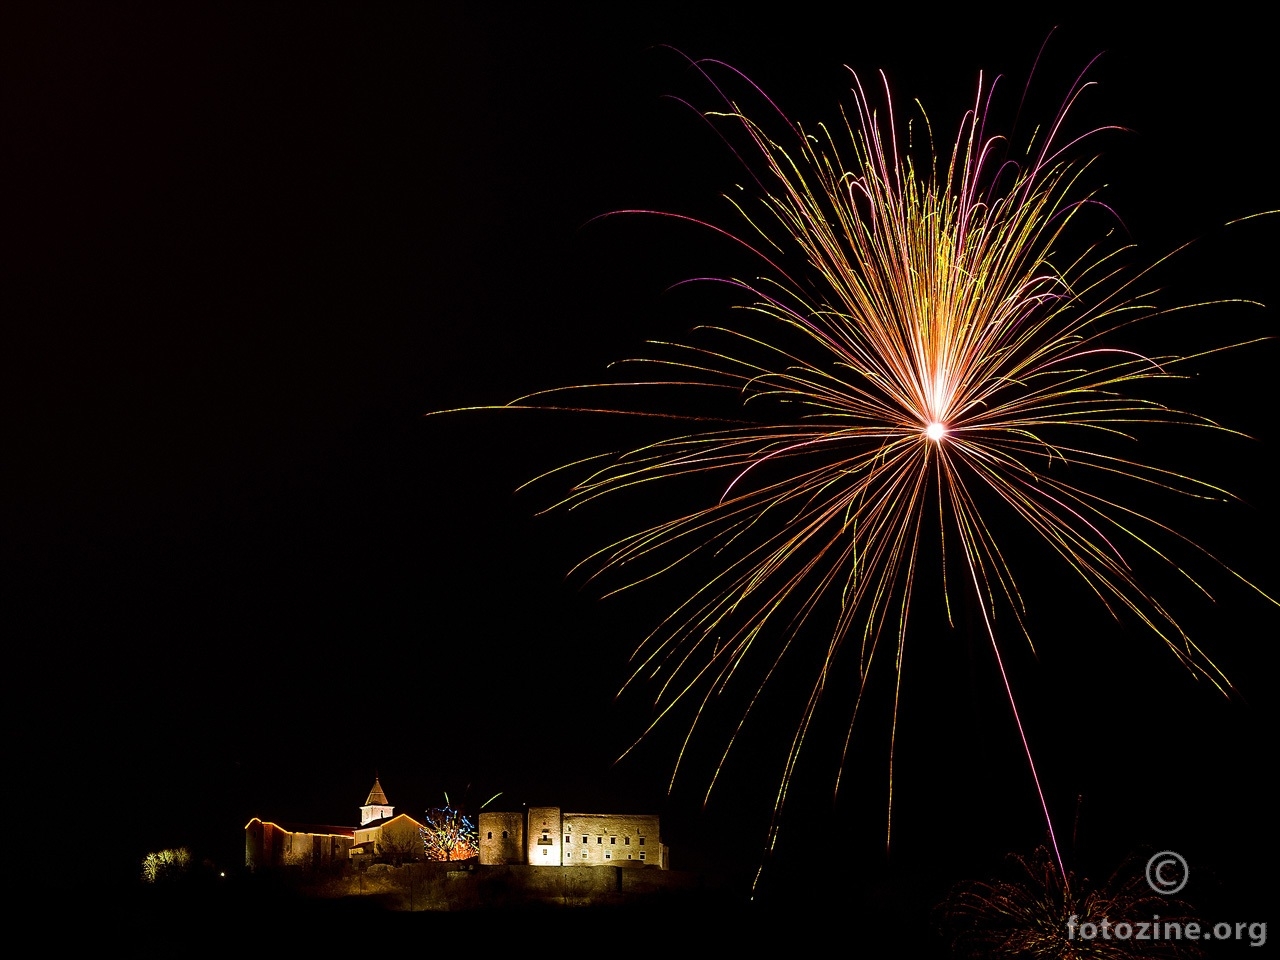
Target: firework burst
[[929, 345], [1036, 912]]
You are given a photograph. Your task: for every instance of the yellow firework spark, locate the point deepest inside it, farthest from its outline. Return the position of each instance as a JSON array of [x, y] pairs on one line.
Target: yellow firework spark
[[923, 345]]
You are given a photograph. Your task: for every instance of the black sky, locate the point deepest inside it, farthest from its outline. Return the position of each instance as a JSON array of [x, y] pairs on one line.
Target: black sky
[[247, 248]]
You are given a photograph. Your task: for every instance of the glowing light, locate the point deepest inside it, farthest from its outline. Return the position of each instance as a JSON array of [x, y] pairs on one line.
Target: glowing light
[[935, 431]]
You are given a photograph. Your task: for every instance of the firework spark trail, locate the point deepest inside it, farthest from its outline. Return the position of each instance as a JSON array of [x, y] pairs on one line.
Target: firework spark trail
[[1035, 910], [935, 339]]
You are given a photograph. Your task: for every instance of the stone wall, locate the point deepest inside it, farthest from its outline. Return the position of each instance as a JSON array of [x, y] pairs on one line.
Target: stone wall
[[501, 838], [448, 887]]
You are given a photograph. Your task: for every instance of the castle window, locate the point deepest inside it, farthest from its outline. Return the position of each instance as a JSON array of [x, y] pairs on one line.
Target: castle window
[[642, 841], [568, 839], [613, 839], [504, 836], [608, 855], [584, 838], [490, 837], [599, 839], [544, 851], [627, 841], [641, 854]]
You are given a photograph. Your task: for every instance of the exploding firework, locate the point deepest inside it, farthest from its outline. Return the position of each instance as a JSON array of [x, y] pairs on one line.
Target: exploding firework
[[930, 352], [1036, 912]]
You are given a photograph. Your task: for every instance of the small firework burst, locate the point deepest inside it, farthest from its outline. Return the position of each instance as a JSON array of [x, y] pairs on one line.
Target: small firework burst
[[1038, 914]]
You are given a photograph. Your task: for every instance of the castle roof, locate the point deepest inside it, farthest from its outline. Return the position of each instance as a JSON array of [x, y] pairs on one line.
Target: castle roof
[[322, 829], [376, 796], [383, 821]]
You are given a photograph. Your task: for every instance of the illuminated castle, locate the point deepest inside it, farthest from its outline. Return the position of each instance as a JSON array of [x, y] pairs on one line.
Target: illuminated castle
[[547, 837], [540, 836]]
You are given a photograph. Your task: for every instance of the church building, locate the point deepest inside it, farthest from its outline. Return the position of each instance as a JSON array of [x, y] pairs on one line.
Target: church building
[[270, 843], [383, 833]]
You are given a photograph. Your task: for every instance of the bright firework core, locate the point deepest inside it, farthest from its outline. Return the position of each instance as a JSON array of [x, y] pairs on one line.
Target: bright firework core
[[935, 431]]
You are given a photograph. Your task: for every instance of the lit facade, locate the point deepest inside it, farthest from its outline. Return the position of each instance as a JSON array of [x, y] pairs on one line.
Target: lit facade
[[549, 837], [382, 832], [270, 843], [502, 838], [539, 836]]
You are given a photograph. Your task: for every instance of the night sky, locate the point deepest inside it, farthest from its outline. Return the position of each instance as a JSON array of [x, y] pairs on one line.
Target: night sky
[[247, 250]]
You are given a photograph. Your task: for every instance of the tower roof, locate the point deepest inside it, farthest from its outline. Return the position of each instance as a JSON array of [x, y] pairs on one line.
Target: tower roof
[[376, 796]]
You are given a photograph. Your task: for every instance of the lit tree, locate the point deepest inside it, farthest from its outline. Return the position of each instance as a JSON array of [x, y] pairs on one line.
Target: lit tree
[[449, 834], [166, 865], [398, 846]]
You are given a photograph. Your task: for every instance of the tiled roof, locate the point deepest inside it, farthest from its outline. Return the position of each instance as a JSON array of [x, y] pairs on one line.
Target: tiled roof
[[376, 796]]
